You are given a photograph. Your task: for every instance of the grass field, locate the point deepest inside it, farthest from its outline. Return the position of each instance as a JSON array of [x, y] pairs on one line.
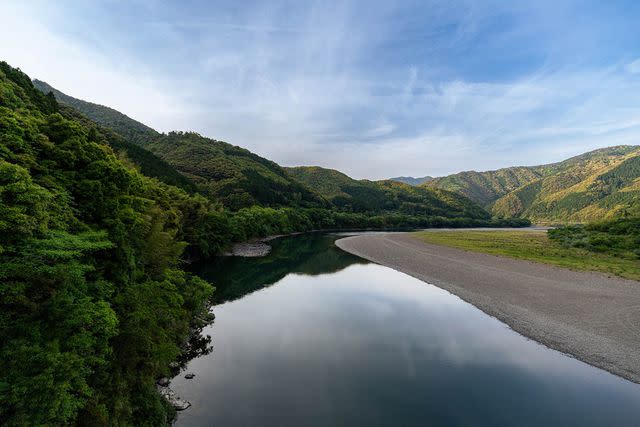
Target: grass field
[[534, 246]]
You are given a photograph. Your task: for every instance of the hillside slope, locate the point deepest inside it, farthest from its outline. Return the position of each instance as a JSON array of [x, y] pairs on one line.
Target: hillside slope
[[601, 184], [233, 175], [486, 187], [94, 303], [411, 180], [128, 128], [226, 173], [595, 185], [384, 196]]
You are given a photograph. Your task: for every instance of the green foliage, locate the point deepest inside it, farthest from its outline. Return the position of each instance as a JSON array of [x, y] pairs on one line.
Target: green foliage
[[93, 303], [385, 197], [583, 188], [550, 248], [411, 180], [618, 237], [486, 187], [145, 161], [233, 175], [598, 185], [125, 126]]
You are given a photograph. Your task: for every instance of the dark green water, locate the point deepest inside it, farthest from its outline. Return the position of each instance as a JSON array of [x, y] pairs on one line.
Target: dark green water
[[312, 336]]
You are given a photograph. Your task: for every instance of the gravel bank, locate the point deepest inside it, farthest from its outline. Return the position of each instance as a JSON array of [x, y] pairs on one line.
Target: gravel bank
[[591, 316]]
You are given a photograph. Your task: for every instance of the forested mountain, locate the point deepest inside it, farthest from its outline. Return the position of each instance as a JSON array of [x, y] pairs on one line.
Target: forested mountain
[[148, 163], [239, 179], [601, 184], [384, 196], [89, 258], [486, 187], [411, 180], [233, 175], [595, 185], [131, 130]]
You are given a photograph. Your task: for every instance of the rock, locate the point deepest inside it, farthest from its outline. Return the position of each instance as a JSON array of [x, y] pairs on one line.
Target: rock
[[254, 249], [190, 376], [173, 399], [163, 382]]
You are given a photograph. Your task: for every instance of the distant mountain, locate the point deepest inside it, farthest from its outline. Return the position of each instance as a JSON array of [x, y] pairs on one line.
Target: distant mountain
[[411, 180], [601, 184], [384, 196]]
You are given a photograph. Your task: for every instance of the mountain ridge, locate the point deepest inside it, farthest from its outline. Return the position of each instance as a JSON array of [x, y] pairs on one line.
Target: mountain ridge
[[412, 180], [382, 196], [518, 191]]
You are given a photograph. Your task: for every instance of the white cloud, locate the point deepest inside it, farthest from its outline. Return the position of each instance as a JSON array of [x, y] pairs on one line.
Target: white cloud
[[634, 67], [313, 88], [83, 72]]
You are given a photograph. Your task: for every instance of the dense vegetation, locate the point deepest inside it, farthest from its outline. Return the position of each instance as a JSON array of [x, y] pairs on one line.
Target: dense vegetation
[[240, 179], [619, 237], [233, 175], [597, 185], [388, 196], [486, 187], [602, 184], [411, 180], [131, 130], [94, 303], [565, 249]]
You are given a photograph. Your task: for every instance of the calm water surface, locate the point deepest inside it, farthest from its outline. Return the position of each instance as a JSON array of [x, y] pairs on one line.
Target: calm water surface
[[312, 336]]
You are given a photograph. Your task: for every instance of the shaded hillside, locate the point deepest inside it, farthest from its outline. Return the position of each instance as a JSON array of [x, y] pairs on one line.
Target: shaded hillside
[[384, 196], [601, 184], [130, 129], [411, 180], [231, 174], [144, 160]]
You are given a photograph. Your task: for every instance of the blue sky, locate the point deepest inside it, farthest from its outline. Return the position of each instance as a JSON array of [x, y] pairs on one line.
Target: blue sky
[[373, 88]]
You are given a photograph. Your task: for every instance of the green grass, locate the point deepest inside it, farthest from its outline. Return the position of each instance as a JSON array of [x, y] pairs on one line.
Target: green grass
[[533, 246]]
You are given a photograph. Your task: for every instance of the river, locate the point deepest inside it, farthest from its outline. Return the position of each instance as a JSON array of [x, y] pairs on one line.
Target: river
[[312, 336]]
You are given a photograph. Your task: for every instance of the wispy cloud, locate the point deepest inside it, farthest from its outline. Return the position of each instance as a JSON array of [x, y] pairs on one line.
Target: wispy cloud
[[373, 88], [634, 67]]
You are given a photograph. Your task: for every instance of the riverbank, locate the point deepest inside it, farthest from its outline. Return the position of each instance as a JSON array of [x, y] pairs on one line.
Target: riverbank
[[589, 315], [535, 246]]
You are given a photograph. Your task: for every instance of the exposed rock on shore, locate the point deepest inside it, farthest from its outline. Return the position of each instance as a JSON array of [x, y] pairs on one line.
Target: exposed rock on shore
[[173, 399]]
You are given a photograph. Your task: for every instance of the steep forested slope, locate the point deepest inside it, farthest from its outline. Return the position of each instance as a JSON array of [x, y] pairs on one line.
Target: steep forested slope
[[94, 305], [601, 184], [232, 174], [144, 160], [384, 196], [130, 129]]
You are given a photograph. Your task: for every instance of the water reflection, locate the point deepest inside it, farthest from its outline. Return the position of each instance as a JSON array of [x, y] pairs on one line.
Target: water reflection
[[367, 345], [309, 254]]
